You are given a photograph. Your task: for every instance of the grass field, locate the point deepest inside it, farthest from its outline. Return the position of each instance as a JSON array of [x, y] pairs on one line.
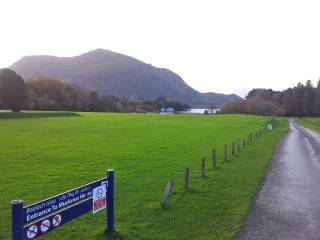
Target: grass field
[[313, 123], [43, 154]]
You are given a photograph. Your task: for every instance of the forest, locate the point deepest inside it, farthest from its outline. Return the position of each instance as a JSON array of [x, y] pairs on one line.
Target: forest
[[51, 94], [301, 100]]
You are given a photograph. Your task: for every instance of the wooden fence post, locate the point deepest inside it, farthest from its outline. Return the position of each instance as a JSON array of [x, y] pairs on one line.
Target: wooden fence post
[[186, 178], [238, 141], [225, 153], [166, 193], [203, 167], [232, 148], [214, 162]]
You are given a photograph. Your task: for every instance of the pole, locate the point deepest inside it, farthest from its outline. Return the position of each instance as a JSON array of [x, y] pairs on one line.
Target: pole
[[186, 178], [17, 219], [214, 162], [203, 167], [232, 148], [110, 200]]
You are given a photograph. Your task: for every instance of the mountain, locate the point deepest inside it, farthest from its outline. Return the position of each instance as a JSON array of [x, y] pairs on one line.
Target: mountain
[[111, 73], [218, 98]]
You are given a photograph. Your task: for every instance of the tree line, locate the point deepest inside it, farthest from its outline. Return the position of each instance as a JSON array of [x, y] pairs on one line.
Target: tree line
[[300, 101], [51, 94]]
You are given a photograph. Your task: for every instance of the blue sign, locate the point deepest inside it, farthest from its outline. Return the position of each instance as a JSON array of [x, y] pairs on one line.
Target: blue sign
[[42, 217]]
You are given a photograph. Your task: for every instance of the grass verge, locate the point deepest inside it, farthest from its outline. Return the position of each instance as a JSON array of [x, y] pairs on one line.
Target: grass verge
[[312, 123]]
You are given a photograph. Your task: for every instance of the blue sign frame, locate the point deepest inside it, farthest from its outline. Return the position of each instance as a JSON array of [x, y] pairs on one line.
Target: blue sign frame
[[44, 216]]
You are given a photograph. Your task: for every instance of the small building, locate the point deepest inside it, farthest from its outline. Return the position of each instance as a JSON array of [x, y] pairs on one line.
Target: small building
[[167, 110]]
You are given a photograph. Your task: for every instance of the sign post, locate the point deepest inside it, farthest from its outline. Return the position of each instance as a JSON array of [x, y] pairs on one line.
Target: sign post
[[39, 218], [17, 219], [110, 206]]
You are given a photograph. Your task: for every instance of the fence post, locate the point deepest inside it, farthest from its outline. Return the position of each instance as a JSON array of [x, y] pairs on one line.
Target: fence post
[[17, 219], [238, 141], [186, 178], [225, 153], [203, 167], [110, 200], [166, 193], [214, 162], [232, 148]]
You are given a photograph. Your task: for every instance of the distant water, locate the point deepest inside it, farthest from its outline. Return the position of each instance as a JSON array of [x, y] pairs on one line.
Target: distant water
[[198, 111]]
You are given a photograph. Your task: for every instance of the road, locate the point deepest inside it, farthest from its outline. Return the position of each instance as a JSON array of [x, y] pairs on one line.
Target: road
[[288, 204]]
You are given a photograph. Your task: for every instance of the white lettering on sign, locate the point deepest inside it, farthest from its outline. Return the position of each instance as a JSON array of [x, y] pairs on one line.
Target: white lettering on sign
[[99, 198], [38, 214]]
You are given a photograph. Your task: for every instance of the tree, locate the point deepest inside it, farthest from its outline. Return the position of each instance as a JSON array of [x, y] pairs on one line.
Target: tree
[[316, 109], [299, 100], [308, 101], [12, 89], [94, 100]]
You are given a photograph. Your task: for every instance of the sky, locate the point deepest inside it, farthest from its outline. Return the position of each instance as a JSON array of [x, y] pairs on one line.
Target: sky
[[226, 46]]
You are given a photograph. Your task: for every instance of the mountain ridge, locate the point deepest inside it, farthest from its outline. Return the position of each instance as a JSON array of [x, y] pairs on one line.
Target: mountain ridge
[[112, 73]]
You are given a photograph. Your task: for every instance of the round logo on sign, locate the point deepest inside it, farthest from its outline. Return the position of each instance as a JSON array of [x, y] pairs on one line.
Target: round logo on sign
[[99, 193], [45, 225], [56, 221], [32, 231]]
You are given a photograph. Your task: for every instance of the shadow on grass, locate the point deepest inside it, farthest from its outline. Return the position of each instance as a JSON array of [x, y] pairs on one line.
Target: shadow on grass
[[114, 236], [22, 115]]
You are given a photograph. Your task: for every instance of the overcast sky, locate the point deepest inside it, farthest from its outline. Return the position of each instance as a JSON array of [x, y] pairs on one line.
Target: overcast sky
[[221, 46]]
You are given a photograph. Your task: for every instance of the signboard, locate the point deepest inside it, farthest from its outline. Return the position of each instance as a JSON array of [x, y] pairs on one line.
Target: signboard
[[44, 216], [99, 199]]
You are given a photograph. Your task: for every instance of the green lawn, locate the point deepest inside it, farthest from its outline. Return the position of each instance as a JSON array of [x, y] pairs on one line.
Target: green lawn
[[43, 154], [310, 122]]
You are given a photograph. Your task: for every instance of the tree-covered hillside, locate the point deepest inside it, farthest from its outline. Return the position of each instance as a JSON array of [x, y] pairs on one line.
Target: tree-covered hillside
[[111, 73], [302, 100]]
